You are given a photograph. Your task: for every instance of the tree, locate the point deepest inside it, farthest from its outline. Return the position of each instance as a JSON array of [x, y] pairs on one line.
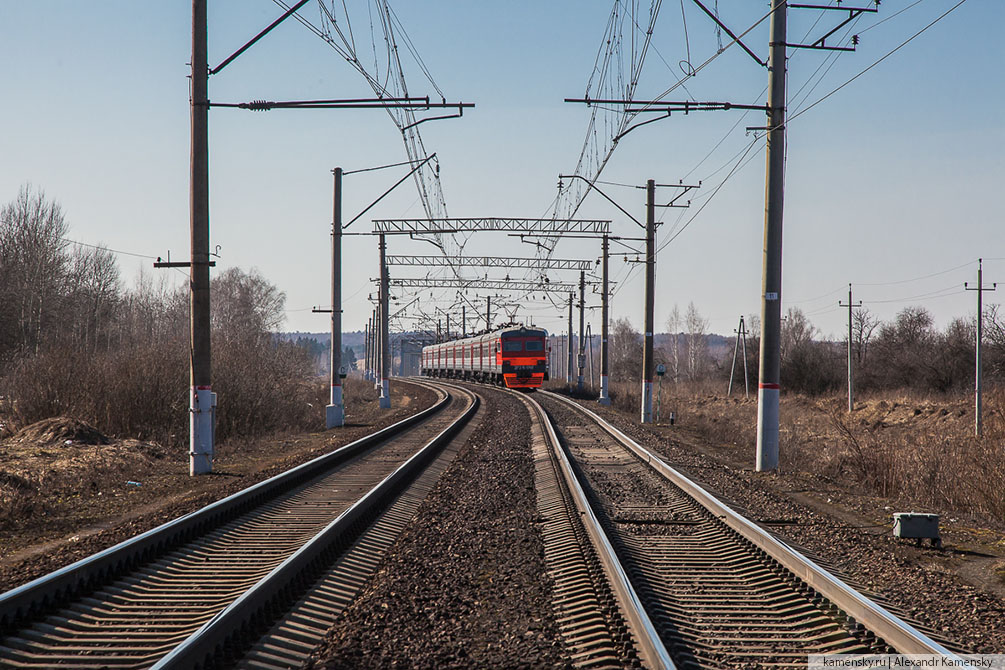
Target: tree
[[245, 304], [626, 351], [863, 325], [33, 265], [673, 343], [697, 343]]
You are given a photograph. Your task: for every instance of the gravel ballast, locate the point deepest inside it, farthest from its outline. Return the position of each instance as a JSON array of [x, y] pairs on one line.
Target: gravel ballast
[[465, 586]]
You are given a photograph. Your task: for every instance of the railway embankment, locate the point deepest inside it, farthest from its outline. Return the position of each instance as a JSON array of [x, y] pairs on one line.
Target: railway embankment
[[66, 493], [957, 591]]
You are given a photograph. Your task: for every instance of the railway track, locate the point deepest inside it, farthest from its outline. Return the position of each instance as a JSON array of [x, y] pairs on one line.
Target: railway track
[[698, 585], [253, 580]]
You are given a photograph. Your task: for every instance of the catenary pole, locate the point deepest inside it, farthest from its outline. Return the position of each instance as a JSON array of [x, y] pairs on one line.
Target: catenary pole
[[385, 349], [568, 367], [647, 352], [335, 411], [769, 386], [604, 399], [201, 391], [488, 312], [581, 346], [375, 347]]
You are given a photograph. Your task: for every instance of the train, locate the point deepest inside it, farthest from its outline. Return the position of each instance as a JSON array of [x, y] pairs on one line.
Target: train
[[515, 357]]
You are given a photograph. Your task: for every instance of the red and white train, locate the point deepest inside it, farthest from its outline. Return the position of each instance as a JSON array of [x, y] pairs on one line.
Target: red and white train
[[515, 357]]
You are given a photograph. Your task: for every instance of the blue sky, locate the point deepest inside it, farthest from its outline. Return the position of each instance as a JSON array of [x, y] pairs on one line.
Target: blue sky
[[895, 177]]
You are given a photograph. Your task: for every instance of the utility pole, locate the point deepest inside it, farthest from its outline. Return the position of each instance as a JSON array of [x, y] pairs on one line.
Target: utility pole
[[385, 349], [741, 340], [980, 288], [581, 348], [464, 321], [647, 352], [769, 385], [375, 347], [589, 344], [851, 385], [568, 367], [201, 396], [604, 398], [488, 312], [335, 411]]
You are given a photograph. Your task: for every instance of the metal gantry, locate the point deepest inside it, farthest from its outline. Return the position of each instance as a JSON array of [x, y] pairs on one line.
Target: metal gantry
[[490, 262], [470, 225]]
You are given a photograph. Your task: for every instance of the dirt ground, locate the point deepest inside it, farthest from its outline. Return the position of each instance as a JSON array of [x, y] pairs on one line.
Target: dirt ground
[[66, 491]]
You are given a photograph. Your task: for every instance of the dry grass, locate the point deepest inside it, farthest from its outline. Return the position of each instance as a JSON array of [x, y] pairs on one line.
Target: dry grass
[[907, 446]]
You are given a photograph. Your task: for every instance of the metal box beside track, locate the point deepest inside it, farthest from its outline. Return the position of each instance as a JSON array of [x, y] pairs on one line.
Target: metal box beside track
[[917, 526]]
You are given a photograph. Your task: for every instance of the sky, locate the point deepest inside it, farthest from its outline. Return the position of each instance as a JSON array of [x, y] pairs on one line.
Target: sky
[[893, 181]]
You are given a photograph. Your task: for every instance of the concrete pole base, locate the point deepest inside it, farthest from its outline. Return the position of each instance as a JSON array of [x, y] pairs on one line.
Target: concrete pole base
[[385, 394], [202, 406], [647, 402], [604, 398], [767, 428], [335, 412]]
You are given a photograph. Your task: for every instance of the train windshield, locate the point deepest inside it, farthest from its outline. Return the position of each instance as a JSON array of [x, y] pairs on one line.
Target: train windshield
[[534, 345], [512, 345]]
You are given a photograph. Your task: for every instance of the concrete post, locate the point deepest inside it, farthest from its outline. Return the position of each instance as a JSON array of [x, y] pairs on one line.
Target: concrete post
[[769, 386], [604, 399], [568, 367], [385, 348], [647, 352], [581, 347], [335, 411], [201, 391]]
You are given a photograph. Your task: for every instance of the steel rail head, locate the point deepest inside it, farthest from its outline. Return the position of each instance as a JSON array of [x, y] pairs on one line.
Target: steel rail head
[[896, 632], [47, 591], [648, 643], [206, 646]]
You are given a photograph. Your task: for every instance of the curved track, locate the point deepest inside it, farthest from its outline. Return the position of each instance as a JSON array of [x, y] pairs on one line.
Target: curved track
[[719, 591], [189, 593]]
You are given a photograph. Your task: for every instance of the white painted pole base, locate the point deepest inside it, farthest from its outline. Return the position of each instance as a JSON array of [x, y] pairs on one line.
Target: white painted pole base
[[767, 429], [604, 398], [202, 408], [385, 394], [335, 412], [647, 402]]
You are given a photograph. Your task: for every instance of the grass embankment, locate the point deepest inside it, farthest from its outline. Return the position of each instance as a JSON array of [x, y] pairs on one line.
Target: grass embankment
[[906, 446]]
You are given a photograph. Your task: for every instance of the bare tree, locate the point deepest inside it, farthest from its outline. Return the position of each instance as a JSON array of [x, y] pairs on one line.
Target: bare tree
[[697, 343], [246, 304], [33, 264], [674, 330], [863, 325], [626, 351]]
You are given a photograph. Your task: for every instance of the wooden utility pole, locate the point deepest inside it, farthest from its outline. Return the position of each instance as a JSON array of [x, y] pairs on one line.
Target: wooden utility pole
[[851, 384], [604, 398], [980, 288], [769, 385], [201, 392], [647, 352]]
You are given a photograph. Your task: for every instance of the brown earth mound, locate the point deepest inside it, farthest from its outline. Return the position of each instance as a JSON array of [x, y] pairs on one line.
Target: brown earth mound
[[59, 430]]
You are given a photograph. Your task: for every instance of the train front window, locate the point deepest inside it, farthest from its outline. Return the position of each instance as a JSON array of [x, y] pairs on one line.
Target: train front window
[[512, 345], [534, 345]]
